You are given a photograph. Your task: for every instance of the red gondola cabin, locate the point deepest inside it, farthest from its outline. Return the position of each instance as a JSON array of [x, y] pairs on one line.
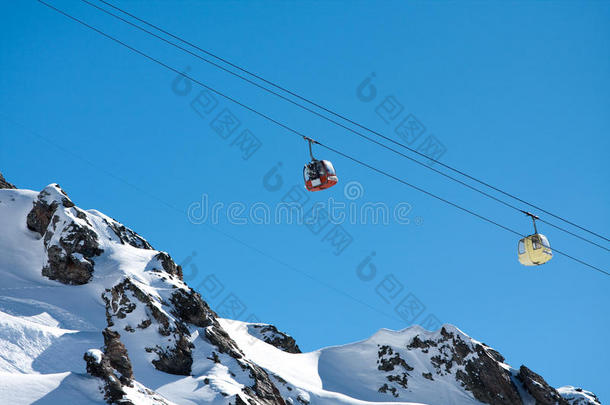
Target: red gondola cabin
[[319, 175]]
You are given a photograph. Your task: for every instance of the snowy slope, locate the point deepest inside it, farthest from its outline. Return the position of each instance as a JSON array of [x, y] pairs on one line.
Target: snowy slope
[[91, 313], [47, 326]]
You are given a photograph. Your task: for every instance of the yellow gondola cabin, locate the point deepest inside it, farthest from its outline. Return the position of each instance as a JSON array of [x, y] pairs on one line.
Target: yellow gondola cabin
[[534, 250]]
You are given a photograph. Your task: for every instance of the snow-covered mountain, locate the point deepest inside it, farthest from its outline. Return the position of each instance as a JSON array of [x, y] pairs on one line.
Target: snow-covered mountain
[[91, 313]]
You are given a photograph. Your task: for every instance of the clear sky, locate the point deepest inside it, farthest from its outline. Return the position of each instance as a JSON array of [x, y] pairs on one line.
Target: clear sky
[[517, 94]]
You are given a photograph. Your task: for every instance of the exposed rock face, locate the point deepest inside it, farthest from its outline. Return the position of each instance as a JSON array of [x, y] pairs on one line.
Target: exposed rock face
[[69, 239], [98, 365], [45, 206], [396, 368], [221, 339], [535, 385], [116, 353], [263, 388], [488, 382], [177, 359], [172, 318], [477, 367], [4, 183], [449, 355], [126, 236], [174, 357], [165, 262], [189, 307], [270, 334]]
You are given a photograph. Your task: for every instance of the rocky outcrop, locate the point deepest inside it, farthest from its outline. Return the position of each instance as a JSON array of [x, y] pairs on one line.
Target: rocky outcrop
[[4, 183], [477, 367], [487, 380], [174, 357], [535, 385], [190, 308], [126, 236], [115, 386], [397, 370], [171, 318], [388, 360], [165, 262], [45, 206], [270, 334], [69, 239], [263, 389], [116, 353], [449, 355], [98, 365], [221, 339]]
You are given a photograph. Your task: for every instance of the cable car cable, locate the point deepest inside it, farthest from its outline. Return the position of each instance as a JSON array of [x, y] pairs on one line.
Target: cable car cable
[[309, 101], [151, 58], [314, 112], [453, 204]]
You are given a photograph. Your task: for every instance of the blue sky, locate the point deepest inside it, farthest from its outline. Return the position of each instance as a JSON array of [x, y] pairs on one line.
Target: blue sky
[[517, 93]]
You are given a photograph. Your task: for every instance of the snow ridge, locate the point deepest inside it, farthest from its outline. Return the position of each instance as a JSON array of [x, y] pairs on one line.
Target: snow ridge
[[91, 313]]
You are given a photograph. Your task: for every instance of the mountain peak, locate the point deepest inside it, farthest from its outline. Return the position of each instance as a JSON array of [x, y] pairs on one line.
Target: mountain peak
[[91, 310]]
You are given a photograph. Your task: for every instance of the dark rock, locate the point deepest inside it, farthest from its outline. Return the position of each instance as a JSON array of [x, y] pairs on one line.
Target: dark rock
[[496, 355], [400, 379], [116, 353], [70, 257], [239, 401], [535, 385], [214, 357], [190, 308], [44, 207], [71, 261], [271, 335], [113, 389], [385, 388], [177, 359], [66, 268], [79, 239], [174, 359], [118, 303], [168, 264], [127, 236], [488, 382], [219, 338], [417, 343], [4, 183], [389, 363], [480, 371], [144, 324], [264, 390]]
